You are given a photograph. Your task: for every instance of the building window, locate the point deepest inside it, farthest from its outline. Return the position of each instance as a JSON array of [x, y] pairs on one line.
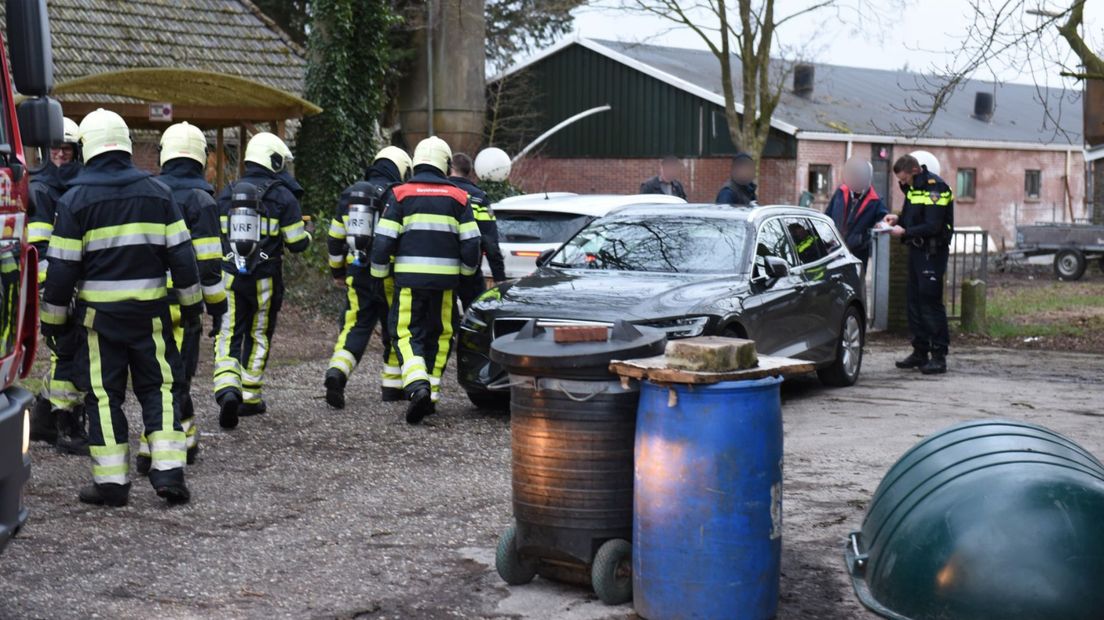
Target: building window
[[967, 178], [1033, 184], [820, 180]]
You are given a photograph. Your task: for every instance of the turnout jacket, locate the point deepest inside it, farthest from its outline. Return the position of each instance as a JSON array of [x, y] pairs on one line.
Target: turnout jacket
[[382, 174], [46, 189], [194, 196], [118, 232], [855, 215], [928, 213], [281, 223], [428, 230], [734, 193], [488, 226]]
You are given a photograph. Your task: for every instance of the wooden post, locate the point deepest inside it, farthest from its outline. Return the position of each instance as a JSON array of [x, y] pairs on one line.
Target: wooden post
[[973, 307], [220, 160], [281, 129], [241, 151]]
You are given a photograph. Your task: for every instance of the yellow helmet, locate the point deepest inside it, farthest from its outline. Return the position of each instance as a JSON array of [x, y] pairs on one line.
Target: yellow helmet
[[435, 152], [396, 156], [103, 131], [266, 149], [71, 131], [183, 140]]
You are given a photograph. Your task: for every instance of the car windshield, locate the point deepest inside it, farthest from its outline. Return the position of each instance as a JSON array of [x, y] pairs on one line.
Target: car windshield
[[538, 226], [664, 245]]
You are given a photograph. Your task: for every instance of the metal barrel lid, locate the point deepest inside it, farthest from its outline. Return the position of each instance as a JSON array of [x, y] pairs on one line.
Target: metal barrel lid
[[534, 351]]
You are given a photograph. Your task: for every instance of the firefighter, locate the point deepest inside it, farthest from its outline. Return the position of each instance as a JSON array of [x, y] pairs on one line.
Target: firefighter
[[926, 225], [473, 286], [429, 237], [183, 165], [349, 249], [58, 416], [118, 232], [254, 280]]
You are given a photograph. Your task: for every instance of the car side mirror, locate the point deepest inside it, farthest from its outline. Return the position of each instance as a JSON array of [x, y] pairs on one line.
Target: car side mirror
[[544, 257], [776, 268]]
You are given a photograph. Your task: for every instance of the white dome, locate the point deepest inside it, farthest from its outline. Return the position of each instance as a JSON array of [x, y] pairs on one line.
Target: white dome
[[927, 159], [492, 164]]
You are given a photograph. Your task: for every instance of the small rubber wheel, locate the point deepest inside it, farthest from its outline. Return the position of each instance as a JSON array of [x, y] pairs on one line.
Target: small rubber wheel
[[611, 572], [514, 569], [1069, 265]]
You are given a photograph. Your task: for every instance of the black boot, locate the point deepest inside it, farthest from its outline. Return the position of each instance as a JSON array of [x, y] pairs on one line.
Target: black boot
[[142, 464], [421, 405], [916, 360], [193, 454], [113, 495], [248, 409], [228, 410], [335, 388], [175, 494], [72, 428], [43, 421], [937, 365], [392, 395]]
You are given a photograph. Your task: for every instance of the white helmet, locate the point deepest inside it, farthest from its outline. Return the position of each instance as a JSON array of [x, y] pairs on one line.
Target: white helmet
[[492, 164], [266, 149], [435, 152], [396, 156], [70, 132], [103, 131], [183, 140]]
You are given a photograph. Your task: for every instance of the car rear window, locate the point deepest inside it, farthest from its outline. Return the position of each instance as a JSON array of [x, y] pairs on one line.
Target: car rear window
[[664, 245], [538, 226]]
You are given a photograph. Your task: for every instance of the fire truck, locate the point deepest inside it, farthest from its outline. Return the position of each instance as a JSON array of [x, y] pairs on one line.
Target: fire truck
[[26, 130]]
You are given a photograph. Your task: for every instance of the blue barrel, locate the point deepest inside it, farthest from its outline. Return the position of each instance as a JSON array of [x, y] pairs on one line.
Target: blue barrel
[[707, 523]]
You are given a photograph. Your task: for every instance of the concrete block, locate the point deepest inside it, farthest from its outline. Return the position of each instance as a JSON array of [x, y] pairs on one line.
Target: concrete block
[[711, 354]]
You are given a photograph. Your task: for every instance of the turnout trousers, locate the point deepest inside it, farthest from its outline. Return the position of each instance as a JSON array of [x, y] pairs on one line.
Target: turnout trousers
[[366, 304], [245, 337], [422, 324], [61, 391], [187, 338], [143, 350], [927, 316]]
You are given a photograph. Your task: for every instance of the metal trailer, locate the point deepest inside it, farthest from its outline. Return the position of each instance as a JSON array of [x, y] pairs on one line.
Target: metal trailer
[[1073, 246]]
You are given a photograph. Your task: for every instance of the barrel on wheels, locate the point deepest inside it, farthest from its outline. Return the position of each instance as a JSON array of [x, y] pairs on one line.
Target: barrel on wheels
[[572, 427], [985, 520], [707, 532]]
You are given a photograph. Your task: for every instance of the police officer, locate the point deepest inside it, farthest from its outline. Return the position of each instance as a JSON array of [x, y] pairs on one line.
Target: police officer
[[58, 416], [183, 166], [473, 286], [118, 233], [740, 188], [926, 225], [367, 297], [255, 283], [429, 234]]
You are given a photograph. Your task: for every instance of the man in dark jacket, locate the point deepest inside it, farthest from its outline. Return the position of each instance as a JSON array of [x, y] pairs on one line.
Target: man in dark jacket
[[429, 237], [473, 286], [255, 289], [367, 297], [666, 182], [856, 208], [741, 188], [118, 233]]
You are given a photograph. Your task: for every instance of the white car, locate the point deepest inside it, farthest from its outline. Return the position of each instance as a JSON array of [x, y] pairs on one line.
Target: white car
[[533, 223]]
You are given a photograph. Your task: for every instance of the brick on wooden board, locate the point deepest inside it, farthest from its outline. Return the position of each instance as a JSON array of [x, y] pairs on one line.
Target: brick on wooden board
[[580, 333], [711, 354]]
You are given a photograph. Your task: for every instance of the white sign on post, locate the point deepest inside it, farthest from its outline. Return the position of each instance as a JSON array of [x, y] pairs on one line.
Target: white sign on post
[[162, 112]]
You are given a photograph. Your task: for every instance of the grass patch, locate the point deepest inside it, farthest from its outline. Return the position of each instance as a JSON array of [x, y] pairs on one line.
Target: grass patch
[[1054, 309]]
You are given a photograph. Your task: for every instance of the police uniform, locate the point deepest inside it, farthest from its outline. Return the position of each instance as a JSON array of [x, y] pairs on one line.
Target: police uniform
[[429, 238], [367, 297], [928, 220], [118, 233], [473, 286], [255, 293]]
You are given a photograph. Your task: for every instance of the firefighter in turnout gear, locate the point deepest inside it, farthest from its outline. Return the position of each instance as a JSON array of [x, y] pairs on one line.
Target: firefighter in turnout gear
[[349, 247], [259, 217], [428, 238], [59, 417], [117, 236], [926, 225], [183, 164], [471, 287]]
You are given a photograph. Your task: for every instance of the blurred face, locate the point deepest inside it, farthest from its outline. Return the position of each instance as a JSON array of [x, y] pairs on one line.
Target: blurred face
[[670, 170], [856, 176], [62, 155], [743, 171]]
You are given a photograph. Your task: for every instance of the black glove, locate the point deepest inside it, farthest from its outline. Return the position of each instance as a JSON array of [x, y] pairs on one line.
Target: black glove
[[216, 324]]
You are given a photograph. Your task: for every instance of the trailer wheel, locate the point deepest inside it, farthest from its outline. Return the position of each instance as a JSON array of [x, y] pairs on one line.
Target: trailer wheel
[[1069, 265]]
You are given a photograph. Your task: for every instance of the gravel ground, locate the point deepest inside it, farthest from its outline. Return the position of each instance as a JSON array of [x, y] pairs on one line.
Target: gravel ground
[[309, 512]]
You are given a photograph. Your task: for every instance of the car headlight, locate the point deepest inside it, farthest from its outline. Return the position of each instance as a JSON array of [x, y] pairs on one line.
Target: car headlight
[[26, 430], [473, 323], [685, 327]]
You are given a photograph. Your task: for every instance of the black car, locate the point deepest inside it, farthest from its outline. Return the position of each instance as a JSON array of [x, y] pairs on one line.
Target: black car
[[777, 275]]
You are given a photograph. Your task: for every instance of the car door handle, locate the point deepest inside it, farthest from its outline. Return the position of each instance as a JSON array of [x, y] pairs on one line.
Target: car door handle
[[836, 277]]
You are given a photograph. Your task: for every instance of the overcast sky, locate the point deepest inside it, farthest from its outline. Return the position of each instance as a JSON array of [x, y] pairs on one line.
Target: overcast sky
[[928, 30]]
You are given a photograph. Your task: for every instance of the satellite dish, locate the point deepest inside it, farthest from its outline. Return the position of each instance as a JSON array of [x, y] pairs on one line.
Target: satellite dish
[[492, 164], [927, 159]]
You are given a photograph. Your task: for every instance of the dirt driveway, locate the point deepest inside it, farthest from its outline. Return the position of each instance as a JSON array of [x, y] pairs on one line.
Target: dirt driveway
[[309, 512]]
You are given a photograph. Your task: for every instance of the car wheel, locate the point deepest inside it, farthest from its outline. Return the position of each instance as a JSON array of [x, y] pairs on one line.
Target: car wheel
[[844, 370], [1069, 265], [491, 401]]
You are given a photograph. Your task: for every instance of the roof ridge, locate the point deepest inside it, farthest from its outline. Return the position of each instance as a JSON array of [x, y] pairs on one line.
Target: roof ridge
[[273, 26]]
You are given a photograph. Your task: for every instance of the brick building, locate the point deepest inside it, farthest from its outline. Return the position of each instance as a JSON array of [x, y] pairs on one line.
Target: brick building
[[997, 144]]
